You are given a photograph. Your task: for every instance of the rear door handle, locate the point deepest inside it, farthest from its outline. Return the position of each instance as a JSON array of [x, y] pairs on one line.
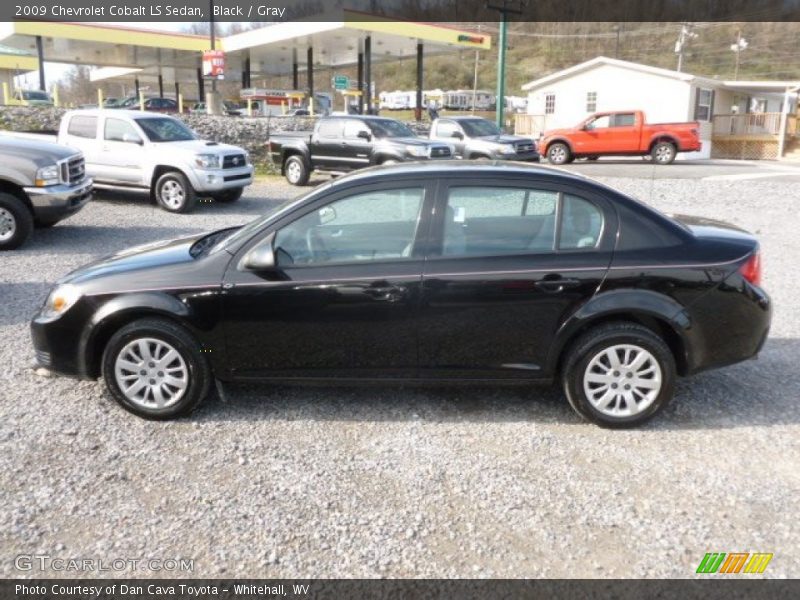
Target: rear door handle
[[554, 286], [388, 292]]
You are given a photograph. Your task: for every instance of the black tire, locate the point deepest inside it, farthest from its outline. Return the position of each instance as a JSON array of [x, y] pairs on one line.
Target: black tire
[[590, 346], [174, 193], [198, 372], [228, 196], [592, 157], [296, 171], [559, 153], [16, 222], [663, 153]]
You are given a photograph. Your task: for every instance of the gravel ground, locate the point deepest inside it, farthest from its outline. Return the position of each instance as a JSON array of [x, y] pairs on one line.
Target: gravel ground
[[401, 482]]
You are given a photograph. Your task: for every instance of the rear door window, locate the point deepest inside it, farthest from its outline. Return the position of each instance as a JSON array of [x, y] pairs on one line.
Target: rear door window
[[83, 126]]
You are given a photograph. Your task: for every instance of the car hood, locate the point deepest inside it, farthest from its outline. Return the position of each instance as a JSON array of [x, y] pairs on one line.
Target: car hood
[[414, 141], [39, 152], [504, 139], [202, 146], [562, 131], [137, 259]]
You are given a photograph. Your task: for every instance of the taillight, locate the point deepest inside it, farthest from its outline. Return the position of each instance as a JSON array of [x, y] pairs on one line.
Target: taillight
[[751, 270]]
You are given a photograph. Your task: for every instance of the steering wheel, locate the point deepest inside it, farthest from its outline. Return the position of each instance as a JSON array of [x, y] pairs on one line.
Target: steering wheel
[[315, 246]]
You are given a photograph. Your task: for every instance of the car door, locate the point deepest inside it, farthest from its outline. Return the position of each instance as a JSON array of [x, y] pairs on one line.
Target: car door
[[123, 153], [343, 296], [510, 262], [326, 145], [625, 133], [81, 133], [356, 145], [597, 137], [445, 130]]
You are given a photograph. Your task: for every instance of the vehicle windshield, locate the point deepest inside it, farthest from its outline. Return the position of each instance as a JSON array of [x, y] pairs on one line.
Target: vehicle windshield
[[479, 127], [164, 129], [34, 95], [389, 128], [129, 102]]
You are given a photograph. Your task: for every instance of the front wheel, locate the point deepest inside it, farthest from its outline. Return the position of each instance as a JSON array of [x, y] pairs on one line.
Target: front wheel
[[296, 171], [228, 196], [663, 153], [174, 192], [559, 154], [16, 222], [619, 375], [154, 369]]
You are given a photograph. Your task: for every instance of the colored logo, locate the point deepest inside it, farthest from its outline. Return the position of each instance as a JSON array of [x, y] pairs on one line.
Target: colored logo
[[472, 39], [734, 562]]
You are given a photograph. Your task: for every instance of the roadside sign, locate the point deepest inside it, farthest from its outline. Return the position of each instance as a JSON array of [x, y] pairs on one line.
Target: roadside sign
[[214, 64], [341, 82]]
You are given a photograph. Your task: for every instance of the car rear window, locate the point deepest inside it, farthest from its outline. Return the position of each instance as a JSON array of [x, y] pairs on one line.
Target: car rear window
[[83, 126]]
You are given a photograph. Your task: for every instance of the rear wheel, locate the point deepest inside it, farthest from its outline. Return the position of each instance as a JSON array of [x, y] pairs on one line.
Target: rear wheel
[[154, 369], [619, 375], [296, 171], [174, 192], [228, 195], [663, 153], [559, 153], [16, 222]]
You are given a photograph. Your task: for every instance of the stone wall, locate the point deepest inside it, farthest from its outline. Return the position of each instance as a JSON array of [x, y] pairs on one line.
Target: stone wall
[[250, 133]]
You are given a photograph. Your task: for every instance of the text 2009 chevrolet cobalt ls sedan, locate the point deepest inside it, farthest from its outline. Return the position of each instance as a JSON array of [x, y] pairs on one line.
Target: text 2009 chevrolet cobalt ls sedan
[[468, 271]]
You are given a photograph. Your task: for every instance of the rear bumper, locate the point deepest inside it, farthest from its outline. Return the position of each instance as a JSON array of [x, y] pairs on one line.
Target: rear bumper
[[56, 202]]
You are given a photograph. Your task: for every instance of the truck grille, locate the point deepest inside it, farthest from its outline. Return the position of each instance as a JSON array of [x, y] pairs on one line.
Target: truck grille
[[73, 170], [233, 161], [440, 151], [525, 147]]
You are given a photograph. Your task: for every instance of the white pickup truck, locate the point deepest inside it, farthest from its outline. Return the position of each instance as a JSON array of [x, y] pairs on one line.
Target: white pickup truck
[[134, 149]]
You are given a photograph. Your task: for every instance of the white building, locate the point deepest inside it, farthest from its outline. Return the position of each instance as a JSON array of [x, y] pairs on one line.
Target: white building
[[738, 119]]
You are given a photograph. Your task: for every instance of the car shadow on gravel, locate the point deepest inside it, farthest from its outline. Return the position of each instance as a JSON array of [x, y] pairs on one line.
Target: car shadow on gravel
[[753, 393]]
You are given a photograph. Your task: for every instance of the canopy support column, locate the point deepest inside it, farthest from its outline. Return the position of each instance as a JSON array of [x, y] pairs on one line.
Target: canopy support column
[[418, 109]]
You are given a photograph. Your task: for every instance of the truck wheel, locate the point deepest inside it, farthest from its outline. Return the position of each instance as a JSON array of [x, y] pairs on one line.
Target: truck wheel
[[174, 192], [296, 171], [559, 154], [16, 222], [229, 195], [663, 153]]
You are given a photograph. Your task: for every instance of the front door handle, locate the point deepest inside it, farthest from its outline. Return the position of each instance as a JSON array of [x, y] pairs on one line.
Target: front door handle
[[554, 286], [386, 292]]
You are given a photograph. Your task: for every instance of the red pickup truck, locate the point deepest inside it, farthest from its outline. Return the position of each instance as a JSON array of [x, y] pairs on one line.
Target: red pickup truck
[[620, 133]]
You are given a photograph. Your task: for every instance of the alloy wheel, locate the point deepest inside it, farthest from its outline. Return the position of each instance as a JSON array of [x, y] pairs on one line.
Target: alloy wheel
[[622, 380], [8, 225], [293, 172], [558, 154], [172, 194], [664, 153], [151, 373]]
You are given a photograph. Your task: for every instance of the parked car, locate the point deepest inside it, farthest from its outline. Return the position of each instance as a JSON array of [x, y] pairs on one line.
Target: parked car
[[298, 112], [152, 104], [231, 109], [476, 137], [40, 184], [624, 133], [340, 144], [431, 271], [31, 98], [134, 149]]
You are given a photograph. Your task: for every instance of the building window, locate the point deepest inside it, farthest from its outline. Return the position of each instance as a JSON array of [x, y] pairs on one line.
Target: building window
[[591, 102], [549, 104], [703, 104]]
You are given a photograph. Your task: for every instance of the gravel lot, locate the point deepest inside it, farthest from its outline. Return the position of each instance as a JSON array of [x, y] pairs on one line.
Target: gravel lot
[[401, 482]]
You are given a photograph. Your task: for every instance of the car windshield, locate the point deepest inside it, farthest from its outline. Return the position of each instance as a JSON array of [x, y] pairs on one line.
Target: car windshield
[[389, 128], [479, 127], [164, 129], [34, 95]]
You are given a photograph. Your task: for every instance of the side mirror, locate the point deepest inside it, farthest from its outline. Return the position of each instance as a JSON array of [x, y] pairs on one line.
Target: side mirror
[[262, 257], [458, 135], [364, 135]]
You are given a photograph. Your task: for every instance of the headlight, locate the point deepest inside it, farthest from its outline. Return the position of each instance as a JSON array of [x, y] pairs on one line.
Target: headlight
[[207, 161], [417, 150], [60, 300], [508, 149], [48, 176], [247, 159]]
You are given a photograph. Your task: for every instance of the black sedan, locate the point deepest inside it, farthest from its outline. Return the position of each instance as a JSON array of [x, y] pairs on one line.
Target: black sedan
[[440, 271]]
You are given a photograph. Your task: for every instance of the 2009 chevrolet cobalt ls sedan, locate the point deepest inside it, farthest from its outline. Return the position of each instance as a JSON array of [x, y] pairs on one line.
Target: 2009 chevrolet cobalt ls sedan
[[457, 271]]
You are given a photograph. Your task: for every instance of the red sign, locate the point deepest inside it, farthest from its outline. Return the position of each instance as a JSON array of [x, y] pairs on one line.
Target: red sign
[[214, 64]]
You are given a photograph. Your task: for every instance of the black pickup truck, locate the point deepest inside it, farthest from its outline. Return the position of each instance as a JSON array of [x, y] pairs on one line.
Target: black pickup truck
[[340, 144]]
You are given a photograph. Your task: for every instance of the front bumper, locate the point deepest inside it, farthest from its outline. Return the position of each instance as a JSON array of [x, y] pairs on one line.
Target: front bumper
[[218, 180], [55, 346], [520, 156], [56, 202]]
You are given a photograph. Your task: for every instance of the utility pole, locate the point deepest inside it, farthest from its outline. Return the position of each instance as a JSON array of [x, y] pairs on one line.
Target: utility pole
[[684, 36], [500, 97], [616, 46], [475, 77], [741, 44]]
